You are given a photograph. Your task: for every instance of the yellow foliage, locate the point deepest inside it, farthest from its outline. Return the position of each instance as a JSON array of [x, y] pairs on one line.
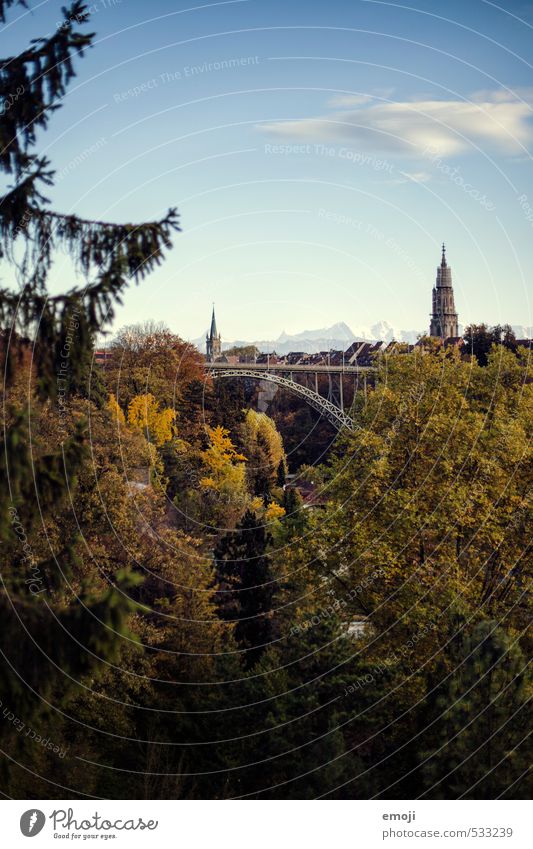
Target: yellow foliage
[[225, 480], [270, 513], [116, 412], [221, 451], [156, 424], [274, 511], [260, 430]]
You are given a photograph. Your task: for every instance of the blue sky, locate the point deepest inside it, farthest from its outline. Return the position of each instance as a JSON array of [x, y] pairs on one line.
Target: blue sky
[[319, 153]]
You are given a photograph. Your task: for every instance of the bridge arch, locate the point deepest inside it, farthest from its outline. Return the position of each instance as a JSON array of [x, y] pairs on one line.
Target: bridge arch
[[332, 413]]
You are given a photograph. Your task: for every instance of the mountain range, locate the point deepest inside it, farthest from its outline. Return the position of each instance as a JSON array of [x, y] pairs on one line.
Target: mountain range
[[337, 337]]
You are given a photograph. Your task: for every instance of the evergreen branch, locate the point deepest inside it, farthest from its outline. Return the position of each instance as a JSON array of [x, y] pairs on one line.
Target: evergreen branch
[[130, 251], [91, 244], [32, 82], [5, 4]]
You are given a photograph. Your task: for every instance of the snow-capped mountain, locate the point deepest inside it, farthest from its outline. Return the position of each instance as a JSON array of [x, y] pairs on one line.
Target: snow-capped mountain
[[338, 337], [522, 332]]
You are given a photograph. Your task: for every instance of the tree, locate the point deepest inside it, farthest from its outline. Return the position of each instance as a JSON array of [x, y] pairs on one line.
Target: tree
[[263, 446], [431, 485], [156, 424], [223, 484], [148, 358], [427, 503], [44, 473], [247, 352], [479, 339], [478, 720], [246, 586], [307, 436], [226, 405]]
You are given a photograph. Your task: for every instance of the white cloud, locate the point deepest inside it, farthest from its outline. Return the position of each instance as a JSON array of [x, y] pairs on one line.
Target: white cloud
[[348, 100], [416, 176], [494, 120]]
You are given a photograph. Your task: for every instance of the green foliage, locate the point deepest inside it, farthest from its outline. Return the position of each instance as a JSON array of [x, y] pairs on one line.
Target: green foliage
[[263, 447], [479, 340], [478, 719], [199, 632], [246, 585], [66, 617], [247, 352]]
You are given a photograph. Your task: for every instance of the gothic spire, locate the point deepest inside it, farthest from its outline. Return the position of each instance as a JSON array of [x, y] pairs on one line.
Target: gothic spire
[[213, 332], [213, 341], [444, 319]]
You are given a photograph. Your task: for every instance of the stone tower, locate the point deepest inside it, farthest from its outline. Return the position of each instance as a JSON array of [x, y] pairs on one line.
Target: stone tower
[[213, 341], [444, 319]]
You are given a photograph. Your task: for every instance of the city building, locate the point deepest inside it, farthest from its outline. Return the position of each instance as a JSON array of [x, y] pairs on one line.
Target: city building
[[444, 319], [213, 341]]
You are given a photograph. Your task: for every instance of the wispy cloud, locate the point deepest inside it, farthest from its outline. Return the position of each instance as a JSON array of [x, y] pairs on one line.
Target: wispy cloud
[[489, 120], [416, 176]]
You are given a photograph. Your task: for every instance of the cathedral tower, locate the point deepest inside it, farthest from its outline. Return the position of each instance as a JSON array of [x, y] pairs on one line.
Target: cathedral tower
[[213, 341], [444, 319]]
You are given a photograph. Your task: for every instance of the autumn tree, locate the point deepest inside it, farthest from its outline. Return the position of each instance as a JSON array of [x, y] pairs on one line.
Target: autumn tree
[[52, 638], [148, 359], [428, 503], [263, 447], [145, 414]]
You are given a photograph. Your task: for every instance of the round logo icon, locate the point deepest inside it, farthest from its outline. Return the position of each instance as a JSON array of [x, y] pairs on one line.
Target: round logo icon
[[32, 822]]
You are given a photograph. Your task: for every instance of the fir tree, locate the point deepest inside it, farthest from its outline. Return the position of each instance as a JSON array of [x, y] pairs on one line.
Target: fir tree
[[47, 641], [479, 728], [246, 585]]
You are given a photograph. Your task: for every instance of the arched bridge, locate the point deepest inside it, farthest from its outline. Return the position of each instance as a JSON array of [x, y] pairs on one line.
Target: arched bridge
[[332, 408]]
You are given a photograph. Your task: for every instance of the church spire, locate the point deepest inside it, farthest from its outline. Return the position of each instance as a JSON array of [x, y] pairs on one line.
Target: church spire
[[213, 340], [213, 331], [444, 319]]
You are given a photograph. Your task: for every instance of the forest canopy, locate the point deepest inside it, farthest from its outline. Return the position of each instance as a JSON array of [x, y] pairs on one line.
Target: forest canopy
[[180, 619]]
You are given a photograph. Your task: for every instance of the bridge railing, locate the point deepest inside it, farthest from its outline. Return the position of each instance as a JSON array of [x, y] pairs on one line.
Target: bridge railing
[[325, 369]]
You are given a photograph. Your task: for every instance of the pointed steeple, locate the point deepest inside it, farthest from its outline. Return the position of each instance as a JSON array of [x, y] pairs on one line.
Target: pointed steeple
[[213, 340], [213, 332], [444, 319]]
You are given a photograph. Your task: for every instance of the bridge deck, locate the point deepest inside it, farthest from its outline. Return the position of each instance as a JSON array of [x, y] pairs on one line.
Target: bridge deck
[[283, 367]]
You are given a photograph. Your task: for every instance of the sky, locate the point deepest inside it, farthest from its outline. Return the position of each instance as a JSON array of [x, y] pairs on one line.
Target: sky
[[318, 153]]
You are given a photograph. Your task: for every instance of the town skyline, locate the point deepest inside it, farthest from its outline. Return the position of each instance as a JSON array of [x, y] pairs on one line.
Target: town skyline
[[444, 323]]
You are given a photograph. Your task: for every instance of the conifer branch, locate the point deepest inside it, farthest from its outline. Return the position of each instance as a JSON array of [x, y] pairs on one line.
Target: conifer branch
[[32, 83]]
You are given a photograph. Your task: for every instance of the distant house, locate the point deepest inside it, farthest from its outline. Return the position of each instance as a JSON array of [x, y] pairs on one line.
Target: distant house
[[336, 358], [350, 354], [230, 359], [453, 342], [294, 358], [398, 348], [102, 356], [317, 359], [266, 359], [359, 353], [311, 495], [140, 477]]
